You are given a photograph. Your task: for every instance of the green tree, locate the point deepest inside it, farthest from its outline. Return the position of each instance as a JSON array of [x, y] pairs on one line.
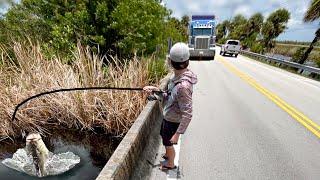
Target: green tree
[[173, 31], [274, 26], [298, 54], [60, 24], [140, 23], [254, 23], [179, 26], [185, 25], [122, 26], [222, 30], [312, 14], [257, 47], [252, 29], [20, 22], [185, 20], [237, 27]]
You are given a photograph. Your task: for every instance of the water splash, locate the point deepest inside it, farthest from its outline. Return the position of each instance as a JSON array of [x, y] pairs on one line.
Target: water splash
[[55, 164]]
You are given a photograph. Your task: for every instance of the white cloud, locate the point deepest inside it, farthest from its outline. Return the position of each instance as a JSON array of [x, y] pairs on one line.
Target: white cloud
[[244, 10], [194, 6], [3, 4], [294, 23]]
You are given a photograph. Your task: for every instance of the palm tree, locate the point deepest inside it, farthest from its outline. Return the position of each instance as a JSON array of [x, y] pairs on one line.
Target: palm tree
[[312, 14]]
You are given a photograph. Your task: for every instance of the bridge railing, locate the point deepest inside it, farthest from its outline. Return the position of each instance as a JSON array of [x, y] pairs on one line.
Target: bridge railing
[[301, 68], [269, 59]]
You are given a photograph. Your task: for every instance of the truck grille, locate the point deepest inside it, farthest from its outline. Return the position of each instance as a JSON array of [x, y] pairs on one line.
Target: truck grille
[[202, 43]]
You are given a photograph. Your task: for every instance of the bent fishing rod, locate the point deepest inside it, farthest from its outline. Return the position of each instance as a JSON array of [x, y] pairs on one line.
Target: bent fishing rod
[[80, 89]]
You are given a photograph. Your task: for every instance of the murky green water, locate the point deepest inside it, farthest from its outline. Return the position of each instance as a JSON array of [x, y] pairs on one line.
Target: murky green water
[[94, 151]]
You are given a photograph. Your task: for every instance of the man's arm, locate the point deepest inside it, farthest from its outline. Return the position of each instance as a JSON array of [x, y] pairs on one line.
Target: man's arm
[[185, 105]]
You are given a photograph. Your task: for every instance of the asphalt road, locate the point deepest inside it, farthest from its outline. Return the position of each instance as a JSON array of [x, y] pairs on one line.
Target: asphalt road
[[240, 132]]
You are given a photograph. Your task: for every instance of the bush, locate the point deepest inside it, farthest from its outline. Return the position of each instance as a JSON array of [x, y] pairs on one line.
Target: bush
[[298, 54], [222, 40], [116, 27], [292, 50], [318, 61], [257, 48]]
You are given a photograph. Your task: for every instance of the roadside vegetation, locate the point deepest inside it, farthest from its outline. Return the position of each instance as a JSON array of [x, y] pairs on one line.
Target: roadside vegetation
[[297, 52], [31, 73], [46, 45], [122, 28], [258, 34], [297, 43], [312, 14]]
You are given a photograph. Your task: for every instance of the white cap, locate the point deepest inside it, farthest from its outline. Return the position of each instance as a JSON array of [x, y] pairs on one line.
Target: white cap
[[179, 52]]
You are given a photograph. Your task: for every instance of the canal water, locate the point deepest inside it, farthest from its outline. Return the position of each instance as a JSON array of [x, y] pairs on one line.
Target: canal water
[[94, 151]]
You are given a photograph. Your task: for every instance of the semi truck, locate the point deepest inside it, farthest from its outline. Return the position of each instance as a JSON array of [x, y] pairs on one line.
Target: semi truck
[[202, 39]]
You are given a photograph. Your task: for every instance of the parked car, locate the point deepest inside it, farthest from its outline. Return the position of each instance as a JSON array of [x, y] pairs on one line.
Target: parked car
[[231, 47]]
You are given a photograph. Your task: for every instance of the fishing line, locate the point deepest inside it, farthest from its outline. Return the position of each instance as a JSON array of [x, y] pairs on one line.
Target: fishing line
[[79, 89]]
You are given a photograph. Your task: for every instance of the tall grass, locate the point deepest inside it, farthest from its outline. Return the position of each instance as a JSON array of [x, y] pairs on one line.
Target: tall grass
[[29, 73], [289, 50]]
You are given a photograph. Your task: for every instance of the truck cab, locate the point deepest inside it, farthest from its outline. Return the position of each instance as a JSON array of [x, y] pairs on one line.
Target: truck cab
[[202, 39]]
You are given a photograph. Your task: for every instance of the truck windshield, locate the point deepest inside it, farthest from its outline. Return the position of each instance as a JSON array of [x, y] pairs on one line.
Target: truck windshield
[[201, 31], [233, 42]]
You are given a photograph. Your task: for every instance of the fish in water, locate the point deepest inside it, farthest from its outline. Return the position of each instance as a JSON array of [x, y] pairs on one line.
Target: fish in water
[[39, 152], [36, 160]]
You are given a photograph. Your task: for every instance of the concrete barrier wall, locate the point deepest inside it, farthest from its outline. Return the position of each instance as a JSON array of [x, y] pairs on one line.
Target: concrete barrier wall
[[122, 162]]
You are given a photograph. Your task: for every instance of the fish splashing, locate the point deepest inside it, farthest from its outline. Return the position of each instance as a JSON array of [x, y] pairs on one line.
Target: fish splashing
[[36, 160]]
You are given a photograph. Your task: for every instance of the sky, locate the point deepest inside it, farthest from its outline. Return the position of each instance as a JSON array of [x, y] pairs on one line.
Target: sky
[[227, 9]]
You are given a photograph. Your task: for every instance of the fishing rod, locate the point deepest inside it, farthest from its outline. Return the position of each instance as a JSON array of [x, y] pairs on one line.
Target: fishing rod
[[150, 98]]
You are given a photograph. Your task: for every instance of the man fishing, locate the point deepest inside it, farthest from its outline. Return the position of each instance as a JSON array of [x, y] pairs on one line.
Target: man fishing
[[177, 109]]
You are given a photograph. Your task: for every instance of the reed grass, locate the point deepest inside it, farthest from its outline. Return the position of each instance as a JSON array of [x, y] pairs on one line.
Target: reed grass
[[290, 50], [27, 72]]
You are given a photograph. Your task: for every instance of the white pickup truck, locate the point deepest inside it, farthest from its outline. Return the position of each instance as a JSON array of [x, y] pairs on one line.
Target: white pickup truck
[[231, 47]]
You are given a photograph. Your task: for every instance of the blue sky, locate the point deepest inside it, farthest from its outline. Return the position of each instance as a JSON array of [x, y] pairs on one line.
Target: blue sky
[[3, 5], [226, 9]]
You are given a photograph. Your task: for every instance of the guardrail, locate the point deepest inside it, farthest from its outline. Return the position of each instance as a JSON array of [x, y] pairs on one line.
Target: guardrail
[[301, 67]]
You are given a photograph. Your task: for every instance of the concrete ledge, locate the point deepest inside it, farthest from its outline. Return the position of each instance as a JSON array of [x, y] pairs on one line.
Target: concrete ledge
[[122, 162]]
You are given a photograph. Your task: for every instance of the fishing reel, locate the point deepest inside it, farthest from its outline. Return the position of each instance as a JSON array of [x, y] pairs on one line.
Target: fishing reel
[[155, 96], [152, 98]]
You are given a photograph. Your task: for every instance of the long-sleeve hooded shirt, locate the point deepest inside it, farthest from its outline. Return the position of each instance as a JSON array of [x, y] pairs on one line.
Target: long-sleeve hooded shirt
[[178, 100]]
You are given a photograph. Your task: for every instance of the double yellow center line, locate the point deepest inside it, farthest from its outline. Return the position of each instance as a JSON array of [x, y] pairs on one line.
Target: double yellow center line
[[297, 115]]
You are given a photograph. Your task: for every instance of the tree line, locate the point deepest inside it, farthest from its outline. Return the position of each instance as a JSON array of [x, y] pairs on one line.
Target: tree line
[[259, 34], [296, 42], [118, 27], [255, 33]]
